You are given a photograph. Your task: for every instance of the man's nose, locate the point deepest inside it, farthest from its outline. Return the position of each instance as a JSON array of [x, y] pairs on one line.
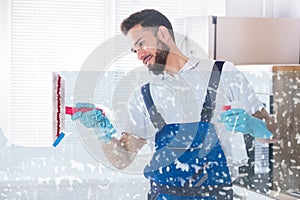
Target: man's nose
[[140, 53]]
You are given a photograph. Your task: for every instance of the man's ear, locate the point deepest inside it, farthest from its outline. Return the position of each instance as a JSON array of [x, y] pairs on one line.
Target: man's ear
[[163, 33]]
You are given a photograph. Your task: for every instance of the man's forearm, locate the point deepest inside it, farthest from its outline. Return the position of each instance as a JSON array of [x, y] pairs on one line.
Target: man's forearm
[[122, 152], [270, 123], [117, 153]]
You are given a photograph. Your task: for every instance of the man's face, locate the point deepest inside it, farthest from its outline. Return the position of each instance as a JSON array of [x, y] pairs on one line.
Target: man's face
[[149, 49]]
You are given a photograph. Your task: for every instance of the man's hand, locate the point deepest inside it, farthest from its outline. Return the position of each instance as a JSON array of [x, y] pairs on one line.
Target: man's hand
[[239, 120], [95, 119]]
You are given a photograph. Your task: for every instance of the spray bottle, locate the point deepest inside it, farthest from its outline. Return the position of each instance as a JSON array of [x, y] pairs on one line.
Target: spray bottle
[[235, 147]]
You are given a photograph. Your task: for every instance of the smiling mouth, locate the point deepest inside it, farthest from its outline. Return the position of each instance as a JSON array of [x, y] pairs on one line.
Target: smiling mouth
[[147, 59]]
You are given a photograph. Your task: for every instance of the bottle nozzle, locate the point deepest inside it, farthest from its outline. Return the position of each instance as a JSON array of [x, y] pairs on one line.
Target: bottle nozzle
[[226, 107]]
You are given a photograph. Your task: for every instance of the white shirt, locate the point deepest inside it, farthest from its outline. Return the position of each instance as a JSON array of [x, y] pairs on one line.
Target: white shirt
[[169, 97], [180, 97]]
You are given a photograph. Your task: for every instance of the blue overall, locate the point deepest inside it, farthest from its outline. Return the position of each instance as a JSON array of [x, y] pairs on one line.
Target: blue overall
[[188, 162]]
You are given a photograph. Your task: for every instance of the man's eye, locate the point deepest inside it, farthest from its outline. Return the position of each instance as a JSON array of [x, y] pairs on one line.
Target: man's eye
[[141, 44]]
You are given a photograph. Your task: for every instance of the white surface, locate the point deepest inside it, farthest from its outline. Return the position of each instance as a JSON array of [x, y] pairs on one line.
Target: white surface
[[64, 172], [249, 195]]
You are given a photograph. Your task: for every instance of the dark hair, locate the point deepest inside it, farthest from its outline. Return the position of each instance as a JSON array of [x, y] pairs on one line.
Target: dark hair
[[147, 18]]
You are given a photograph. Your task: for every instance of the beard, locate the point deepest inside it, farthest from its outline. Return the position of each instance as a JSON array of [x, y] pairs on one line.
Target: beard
[[162, 53]]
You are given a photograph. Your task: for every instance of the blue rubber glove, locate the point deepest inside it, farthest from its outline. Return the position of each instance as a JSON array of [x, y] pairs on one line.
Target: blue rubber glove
[[95, 119], [239, 120]]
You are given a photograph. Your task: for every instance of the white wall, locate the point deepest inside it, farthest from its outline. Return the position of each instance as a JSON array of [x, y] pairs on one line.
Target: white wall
[[239, 8], [263, 8], [286, 8]]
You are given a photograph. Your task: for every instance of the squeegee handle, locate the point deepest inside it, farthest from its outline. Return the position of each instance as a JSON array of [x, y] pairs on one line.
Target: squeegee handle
[[73, 110]]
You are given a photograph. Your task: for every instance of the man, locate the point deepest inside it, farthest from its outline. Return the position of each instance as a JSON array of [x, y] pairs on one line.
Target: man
[[177, 113]]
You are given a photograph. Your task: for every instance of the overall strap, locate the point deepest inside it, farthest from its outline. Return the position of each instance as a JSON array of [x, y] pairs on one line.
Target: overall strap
[[208, 106], [155, 117], [210, 99]]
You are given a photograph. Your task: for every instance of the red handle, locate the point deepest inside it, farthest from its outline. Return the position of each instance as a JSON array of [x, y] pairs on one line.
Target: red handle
[[72, 110], [226, 107]]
